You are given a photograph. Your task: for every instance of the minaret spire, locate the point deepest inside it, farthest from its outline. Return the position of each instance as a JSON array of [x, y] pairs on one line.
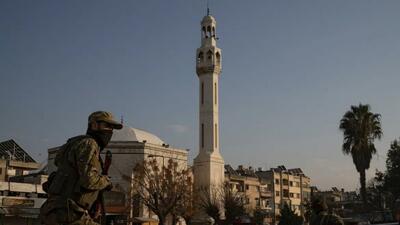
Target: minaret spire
[[208, 8]]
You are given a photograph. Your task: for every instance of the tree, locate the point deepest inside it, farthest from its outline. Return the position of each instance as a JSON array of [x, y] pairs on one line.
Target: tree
[[162, 190], [186, 208], [234, 203], [308, 211], [289, 217], [360, 128], [209, 202], [376, 193], [259, 216], [392, 176]]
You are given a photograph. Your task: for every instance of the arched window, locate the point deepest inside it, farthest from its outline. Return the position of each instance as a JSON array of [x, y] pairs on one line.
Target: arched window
[[203, 32], [213, 32], [209, 55], [216, 135], [215, 94], [200, 57], [202, 93], [218, 56], [202, 135], [209, 31]]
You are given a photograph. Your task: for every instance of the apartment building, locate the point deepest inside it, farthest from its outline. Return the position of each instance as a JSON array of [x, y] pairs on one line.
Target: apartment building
[[289, 186], [15, 161], [270, 189], [21, 193], [244, 180], [256, 192]]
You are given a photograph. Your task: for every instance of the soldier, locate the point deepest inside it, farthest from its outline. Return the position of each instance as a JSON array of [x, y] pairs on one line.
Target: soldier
[[76, 184], [320, 215]]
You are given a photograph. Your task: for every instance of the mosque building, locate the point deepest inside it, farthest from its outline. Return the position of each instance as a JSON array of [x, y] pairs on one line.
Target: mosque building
[[128, 147]]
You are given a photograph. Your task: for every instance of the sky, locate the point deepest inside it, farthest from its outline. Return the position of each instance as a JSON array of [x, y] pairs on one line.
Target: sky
[[291, 69]]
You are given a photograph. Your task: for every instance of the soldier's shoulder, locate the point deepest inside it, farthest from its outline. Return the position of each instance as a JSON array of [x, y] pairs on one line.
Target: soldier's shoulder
[[81, 139], [83, 142]]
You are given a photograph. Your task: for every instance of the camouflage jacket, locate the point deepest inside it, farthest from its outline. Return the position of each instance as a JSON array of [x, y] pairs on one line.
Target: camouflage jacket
[[79, 174]]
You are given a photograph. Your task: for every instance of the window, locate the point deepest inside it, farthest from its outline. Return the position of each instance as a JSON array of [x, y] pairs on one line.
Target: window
[[291, 195], [200, 57], [215, 93], [277, 181], [202, 93], [285, 182], [216, 135], [297, 195], [247, 187], [218, 58], [209, 55], [291, 183], [202, 135], [204, 32], [277, 193], [19, 172], [285, 193]]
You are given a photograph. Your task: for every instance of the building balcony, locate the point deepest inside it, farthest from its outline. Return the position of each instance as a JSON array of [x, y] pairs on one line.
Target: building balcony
[[267, 194]]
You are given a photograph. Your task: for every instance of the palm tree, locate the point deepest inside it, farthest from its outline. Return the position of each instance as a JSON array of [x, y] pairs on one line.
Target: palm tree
[[360, 128]]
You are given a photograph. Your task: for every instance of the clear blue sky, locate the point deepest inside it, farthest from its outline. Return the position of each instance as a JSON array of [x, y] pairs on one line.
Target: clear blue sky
[[290, 71]]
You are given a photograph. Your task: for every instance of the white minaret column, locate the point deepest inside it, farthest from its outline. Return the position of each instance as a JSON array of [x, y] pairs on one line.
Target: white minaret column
[[209, 164]]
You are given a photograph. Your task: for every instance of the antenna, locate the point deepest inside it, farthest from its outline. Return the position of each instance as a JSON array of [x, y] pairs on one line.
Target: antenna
[[122, 119], [208, 8]]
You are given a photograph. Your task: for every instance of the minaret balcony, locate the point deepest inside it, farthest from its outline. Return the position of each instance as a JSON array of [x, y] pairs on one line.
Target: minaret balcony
[[204, 69]]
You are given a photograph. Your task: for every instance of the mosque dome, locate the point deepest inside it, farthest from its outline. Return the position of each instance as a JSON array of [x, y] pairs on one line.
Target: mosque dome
[[135, 135], [208, 19]]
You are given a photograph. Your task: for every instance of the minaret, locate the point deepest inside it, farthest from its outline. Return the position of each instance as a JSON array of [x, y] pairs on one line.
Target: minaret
[[209, 164]]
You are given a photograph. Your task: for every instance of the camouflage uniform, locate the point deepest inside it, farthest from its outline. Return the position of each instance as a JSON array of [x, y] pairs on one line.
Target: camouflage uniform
[[75, 186]]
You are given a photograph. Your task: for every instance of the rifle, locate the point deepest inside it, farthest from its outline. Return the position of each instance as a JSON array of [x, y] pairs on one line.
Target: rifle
[[99, 203]]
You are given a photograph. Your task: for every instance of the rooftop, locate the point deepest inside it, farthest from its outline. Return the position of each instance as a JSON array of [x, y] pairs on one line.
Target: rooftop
[[11, 150]]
